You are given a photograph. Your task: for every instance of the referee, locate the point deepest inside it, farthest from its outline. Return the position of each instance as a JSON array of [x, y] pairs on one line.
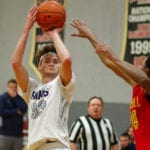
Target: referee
[[93, 132]]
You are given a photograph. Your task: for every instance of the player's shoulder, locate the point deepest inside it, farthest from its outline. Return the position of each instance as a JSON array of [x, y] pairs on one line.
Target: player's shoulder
[[72, 81], [136, 89], [33, 82]]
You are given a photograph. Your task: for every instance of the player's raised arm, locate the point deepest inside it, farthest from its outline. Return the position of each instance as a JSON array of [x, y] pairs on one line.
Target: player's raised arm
[[17, 57], [64, 56], [140, 75], [85, 32], [128, 72]]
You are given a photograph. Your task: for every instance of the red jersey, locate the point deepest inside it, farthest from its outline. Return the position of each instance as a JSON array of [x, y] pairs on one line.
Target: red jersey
[[140, 118]]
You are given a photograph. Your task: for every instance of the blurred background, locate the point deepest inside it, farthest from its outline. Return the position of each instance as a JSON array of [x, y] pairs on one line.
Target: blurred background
[[106, 19]]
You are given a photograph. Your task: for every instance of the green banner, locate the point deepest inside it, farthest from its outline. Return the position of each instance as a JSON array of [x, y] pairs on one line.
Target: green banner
[[136, 41]]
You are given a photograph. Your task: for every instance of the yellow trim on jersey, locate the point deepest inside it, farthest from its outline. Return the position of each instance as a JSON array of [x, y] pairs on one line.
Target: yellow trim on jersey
[[33, 67], [64, 4], [124, 41]]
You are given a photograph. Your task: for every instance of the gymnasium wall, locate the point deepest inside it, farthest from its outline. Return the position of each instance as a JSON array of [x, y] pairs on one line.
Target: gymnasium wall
[[106, 18]]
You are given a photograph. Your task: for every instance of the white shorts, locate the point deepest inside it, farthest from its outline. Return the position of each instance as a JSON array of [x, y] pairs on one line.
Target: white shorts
[[42, 148], [53, 146], [57, 149]]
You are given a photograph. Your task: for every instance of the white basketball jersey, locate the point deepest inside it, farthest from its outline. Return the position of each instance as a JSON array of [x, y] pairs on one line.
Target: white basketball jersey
[[48, 110]]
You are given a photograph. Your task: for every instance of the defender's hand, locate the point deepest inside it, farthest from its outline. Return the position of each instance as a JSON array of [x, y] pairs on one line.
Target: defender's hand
[[83, 30]]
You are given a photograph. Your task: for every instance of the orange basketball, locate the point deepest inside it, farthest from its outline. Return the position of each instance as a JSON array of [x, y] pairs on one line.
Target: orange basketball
[[51, 14]]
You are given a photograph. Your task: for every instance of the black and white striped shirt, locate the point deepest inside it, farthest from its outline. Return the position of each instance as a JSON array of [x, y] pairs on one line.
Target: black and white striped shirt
[[91, 134]]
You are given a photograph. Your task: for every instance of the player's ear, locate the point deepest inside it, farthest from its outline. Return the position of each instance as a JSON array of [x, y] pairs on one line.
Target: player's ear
[[39, 67]]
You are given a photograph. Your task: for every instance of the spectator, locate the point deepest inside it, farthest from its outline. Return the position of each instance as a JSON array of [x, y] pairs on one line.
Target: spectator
[[125, 142], [131, 134], [12, 108]]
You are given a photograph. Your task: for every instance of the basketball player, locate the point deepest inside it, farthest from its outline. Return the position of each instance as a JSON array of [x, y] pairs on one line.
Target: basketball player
[[138, 78], [48, 101]]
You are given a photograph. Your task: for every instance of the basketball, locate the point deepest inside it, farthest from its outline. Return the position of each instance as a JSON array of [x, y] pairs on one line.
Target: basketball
[[50, 15]]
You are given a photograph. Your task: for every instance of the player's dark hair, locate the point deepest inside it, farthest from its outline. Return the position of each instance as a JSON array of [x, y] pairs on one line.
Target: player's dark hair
[[96, 97], [43, 50], [11, 81], [147, 62]]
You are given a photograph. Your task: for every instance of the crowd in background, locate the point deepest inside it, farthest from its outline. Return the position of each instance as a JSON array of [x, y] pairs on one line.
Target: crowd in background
[[126, 140], [13, 125]]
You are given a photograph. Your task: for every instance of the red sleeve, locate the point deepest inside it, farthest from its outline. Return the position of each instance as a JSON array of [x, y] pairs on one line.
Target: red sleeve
[[136, 89]]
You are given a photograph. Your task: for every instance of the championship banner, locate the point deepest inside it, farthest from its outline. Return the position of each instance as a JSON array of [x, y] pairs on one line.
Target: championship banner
[[136, 40], [38, 40]]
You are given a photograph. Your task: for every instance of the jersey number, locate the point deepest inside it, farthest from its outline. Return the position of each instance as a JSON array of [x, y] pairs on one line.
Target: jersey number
[[134, 120]]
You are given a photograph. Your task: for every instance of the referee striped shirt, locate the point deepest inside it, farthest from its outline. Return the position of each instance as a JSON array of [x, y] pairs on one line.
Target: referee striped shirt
[[91, 134]]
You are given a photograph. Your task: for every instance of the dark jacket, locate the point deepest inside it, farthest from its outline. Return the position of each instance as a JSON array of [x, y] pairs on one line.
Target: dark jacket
[[11, 122], [131, 146]]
